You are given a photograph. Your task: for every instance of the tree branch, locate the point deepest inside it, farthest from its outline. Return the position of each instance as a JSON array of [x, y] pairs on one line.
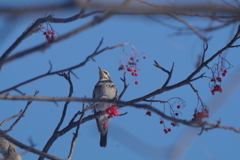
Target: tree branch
[[64, 70]]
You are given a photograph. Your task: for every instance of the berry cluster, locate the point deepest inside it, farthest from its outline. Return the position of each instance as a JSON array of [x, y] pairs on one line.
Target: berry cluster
[[49, 34], [180, 104], [112, 111], [166, 130], [216, 88], [131, 63], [200, 115], [219, 69]]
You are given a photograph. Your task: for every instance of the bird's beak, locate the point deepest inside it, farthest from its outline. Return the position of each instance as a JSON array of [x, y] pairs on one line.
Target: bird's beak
[[99, 69]]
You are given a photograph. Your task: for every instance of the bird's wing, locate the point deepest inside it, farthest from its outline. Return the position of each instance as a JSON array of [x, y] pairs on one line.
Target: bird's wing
[[98, 93]]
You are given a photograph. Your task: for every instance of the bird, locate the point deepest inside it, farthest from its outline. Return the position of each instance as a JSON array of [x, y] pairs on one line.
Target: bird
[[104, 89]]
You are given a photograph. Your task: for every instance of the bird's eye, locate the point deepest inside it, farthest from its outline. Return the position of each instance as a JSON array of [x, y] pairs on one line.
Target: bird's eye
[[105, 72]]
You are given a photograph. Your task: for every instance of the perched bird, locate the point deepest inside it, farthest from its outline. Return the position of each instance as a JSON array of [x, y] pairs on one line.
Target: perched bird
[[104, 89]]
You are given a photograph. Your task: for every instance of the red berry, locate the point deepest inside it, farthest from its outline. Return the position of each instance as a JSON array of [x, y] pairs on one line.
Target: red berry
[[161, 122], [169, 130], [173, 124], [212, 91], [136, 82], [48, 37], [178, 107], [129, 69], [114, 107], [144, 57], [115, 113], [132, 58], [220, 90], [44, 33], [136, 74], [213, 80], [225, 71], [49, 32], [105, 124], [133, 74], [216, 88], [135, 70], [219, 79], [148, 113], [108, 111], [206, 110], [165, 130], [223, 74]]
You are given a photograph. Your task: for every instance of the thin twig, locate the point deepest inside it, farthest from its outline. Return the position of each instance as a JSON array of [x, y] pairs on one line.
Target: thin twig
[[50, 69], [75, 135], [168, 72], [54, 136], [17, 90], [22, 114], [8, 119], [64, 70], [125, 85]]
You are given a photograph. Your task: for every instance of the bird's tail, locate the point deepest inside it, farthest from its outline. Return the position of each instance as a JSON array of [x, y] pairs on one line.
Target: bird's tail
[[103, 140]]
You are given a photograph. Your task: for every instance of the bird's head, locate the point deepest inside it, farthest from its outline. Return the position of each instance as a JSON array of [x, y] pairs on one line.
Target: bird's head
[[103, 75]]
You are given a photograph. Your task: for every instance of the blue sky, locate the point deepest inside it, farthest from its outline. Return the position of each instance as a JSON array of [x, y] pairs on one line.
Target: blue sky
[[133, 136]]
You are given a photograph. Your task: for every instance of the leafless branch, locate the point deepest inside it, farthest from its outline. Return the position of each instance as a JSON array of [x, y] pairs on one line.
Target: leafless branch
[[8, 119], [17, 90], [197, 124], [216, 54], [205, 48], [50, 69], [168, 72], [213, 126], [23, 146], [74, 74], [125, 85], [37, 23], [191, 27], [22, 114], [54, 136], [97, 20], [5, 60], [75, 135], [64, 70]]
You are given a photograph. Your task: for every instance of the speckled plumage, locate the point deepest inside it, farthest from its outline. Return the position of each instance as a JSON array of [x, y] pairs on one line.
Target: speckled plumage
[[104, 89]]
